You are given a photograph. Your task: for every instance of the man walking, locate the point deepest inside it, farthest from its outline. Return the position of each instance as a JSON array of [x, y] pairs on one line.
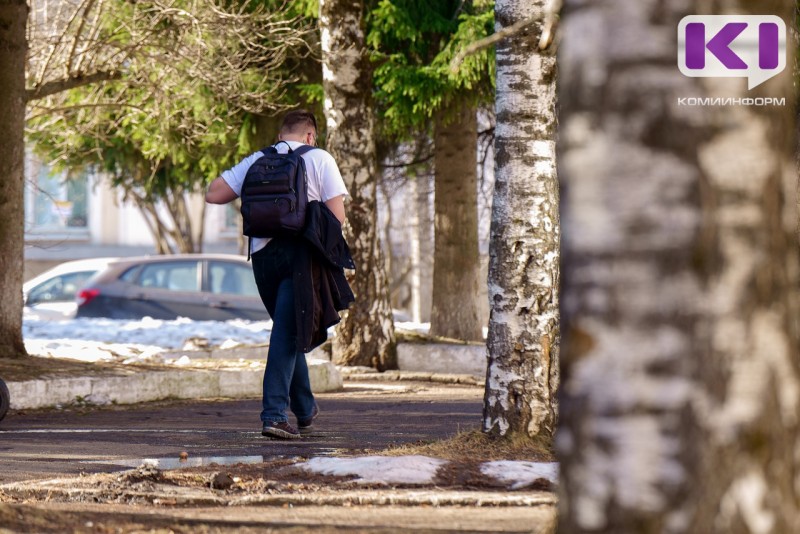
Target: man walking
[[286, 380]]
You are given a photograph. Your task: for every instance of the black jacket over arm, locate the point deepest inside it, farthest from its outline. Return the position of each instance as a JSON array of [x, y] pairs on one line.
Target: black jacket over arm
[[321, 290]]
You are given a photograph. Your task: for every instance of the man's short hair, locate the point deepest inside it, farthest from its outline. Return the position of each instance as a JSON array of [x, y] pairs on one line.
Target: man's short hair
[[297, 120]]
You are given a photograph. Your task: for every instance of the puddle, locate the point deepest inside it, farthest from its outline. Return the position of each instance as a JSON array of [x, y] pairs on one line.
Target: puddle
[[177, 463]]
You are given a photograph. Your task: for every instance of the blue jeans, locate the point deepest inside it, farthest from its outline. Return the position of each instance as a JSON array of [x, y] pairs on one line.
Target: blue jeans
[[286, 382]]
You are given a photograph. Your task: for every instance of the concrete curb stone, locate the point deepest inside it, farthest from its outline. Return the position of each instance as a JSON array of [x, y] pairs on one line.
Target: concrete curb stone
[[157, 385], [425, 362]]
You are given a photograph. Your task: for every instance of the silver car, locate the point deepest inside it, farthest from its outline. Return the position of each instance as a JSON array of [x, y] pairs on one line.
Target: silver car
[[52, 294], [196, 286]]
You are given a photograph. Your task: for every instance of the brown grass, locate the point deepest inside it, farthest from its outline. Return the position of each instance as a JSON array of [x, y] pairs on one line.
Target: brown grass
[[404, 336], [475, 445], [33, 367]]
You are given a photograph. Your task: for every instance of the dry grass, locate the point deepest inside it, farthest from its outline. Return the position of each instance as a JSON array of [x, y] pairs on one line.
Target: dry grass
[[32, 367], [476, 445], [404, 336]]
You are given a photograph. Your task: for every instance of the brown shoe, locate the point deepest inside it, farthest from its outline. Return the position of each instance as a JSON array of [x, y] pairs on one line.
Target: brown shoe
[[280, 430], [305, 424]]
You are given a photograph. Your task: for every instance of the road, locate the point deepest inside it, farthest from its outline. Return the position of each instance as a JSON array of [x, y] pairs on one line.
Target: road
[[52, 443]]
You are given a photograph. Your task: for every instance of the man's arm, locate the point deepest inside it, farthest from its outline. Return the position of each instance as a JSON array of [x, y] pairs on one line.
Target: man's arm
[[219, 192], [336, 205]]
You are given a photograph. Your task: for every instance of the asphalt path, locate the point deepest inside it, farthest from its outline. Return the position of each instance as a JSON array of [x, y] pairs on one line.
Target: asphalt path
[[52, 443]]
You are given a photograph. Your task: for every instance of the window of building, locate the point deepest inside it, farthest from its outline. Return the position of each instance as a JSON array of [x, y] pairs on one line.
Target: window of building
[[55, 201]]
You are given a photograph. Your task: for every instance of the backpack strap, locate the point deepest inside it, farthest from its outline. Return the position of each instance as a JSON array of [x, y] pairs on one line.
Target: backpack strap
[[299, 150]]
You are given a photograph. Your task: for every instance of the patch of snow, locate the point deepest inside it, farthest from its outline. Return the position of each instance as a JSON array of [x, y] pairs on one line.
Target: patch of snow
[[156, 332], [91, 351], [377, 469], [94, 340], [520, 474], [411, 326]]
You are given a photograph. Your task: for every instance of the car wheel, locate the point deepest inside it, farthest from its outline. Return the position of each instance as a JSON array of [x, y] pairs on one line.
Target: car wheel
[[5, 399]]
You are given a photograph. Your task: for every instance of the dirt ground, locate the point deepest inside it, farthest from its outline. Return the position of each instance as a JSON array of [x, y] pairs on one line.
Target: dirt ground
[[107, 519], [32, 368], [270, 497]]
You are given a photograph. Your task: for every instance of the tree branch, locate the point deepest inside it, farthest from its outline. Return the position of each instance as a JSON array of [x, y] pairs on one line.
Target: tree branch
[[486, 42], [550, 18], [57, 86], [403, 165]]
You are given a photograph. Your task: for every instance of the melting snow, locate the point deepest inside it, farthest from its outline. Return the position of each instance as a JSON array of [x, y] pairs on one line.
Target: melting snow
[[386, 469], [93, 340], [521, 474]]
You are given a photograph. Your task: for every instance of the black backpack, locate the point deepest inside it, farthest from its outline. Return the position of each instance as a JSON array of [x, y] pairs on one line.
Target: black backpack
[[274, 194]]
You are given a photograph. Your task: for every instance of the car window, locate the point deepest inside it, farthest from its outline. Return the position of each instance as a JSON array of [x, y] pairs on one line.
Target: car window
[[130, 274], [173, 276], [61, 288], [226, 277]]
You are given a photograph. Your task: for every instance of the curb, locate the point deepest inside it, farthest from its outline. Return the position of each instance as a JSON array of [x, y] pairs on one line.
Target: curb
[[144, 386], [442, 358], [411, 376]]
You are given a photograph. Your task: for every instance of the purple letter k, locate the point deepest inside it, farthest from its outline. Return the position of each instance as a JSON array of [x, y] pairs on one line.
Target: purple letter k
[[719, 45]]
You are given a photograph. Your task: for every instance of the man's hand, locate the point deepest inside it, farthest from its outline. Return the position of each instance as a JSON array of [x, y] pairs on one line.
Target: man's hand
[[219, 192]]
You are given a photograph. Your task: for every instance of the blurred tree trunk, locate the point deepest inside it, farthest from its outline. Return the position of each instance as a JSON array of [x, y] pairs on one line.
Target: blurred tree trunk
[[456, 264], [366, 334], [421, 247], [681, 383], [13, 48], [170, 222], [523, 342]]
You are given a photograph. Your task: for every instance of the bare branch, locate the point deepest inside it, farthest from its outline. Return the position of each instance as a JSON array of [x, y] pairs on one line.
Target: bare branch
[[57, 86], [404, 164], [486, 42], [551, 17]]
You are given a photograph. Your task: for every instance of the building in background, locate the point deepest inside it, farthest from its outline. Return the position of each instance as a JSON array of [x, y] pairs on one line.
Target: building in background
[[71, 216]]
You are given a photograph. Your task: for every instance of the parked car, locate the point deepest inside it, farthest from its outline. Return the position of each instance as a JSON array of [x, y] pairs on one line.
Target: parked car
[[202, 287], [52, 294]]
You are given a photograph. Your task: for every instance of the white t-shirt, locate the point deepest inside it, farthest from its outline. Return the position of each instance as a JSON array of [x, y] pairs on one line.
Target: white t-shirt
[[324, 179]]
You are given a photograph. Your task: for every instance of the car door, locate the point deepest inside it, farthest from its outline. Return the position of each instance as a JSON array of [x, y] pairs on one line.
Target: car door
[[167, 290], [231, 291]]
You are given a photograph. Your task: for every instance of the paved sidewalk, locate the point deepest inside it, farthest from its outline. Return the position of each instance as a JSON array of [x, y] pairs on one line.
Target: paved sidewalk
[[44, 453]]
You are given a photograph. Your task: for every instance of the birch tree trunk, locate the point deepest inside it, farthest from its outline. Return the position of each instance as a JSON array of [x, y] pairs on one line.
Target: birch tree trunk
[[680, 399], [456, 263], [523, 342], [13, 47], [366, 334]]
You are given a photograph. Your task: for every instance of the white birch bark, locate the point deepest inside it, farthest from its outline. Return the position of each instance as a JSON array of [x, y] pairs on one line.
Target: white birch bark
[[681, 391], [366, 334], [523, 342]]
